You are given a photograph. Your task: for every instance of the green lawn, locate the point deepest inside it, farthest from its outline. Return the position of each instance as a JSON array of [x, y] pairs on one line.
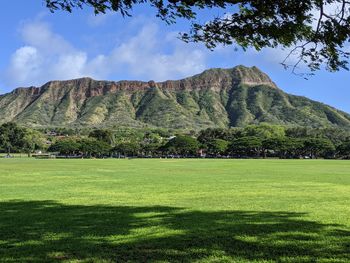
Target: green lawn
[[167, 210]]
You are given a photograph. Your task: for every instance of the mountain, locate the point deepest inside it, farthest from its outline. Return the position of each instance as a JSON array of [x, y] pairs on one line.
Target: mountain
[[215, 98]]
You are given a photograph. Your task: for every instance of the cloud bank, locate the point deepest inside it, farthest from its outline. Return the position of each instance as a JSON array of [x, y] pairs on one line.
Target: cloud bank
[[148, 54]]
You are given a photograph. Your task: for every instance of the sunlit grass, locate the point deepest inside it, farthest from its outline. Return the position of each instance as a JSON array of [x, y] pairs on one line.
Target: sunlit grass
[[174, 210]]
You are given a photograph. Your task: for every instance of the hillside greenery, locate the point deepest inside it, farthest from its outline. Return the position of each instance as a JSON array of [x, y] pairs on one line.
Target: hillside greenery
[[216, 98]]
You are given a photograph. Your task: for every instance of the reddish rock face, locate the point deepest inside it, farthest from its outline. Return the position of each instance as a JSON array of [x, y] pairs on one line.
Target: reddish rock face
[[215, 79], [31, 91]]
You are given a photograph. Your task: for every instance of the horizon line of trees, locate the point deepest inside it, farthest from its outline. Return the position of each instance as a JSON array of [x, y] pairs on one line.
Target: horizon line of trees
[[253, 141]]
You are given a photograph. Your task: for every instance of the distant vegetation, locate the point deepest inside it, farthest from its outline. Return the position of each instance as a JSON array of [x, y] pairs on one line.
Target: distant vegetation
[[253, 141]]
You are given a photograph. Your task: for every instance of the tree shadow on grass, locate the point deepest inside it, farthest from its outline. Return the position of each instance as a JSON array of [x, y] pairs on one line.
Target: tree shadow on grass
[[47, 231]]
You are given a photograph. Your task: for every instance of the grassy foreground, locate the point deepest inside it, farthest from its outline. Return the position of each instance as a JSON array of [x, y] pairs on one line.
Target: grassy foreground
[[174, 210]]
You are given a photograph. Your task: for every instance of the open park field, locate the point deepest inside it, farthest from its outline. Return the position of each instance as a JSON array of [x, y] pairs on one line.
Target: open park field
[[170, 210]]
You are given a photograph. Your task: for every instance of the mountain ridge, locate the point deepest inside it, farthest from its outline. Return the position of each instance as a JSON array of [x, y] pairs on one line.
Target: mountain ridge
[[214, 98]]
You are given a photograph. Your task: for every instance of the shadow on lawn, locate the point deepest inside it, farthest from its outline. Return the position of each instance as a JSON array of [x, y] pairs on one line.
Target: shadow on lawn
[[46, 231]]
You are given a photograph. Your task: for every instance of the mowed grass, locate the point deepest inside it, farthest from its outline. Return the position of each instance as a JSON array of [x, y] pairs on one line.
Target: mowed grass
[[170, 210]]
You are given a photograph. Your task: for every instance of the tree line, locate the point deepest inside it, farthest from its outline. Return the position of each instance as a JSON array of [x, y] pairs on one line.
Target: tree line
[[254, 141]]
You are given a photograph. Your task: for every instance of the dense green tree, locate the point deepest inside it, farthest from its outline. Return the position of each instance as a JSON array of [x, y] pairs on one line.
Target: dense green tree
[[183, 145], [246, 146], [152, 137], [150, 149], [283, 147], [315, 147], [216, 146], [336, 135], [298, 132], [67, 146], [219, 133], [271, 136], [265, 131], [291, 148], [12, 137], [315, 31], [212, 134], [128, 148], [91, 147], [104, 135], [343, 150], [122, 135], [33, 140], [272, 144], [88, 147]]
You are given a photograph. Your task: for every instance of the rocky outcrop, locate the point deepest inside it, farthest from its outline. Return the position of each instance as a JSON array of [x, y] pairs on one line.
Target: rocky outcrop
[[214, 98]]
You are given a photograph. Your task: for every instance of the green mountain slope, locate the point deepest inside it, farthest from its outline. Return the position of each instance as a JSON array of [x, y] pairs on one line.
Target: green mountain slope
[[214, 98]]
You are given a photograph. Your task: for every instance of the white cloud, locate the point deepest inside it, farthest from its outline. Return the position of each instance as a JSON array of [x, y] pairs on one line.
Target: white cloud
[[40, 35], [148, 54], [144, 56], [26, 61], [70, 65], [45, 56]]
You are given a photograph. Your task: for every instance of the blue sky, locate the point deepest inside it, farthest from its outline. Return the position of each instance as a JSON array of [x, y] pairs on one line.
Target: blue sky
[[38, 46]]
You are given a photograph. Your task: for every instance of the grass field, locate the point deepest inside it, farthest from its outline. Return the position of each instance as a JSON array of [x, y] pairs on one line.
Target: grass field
[[174, 210]]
